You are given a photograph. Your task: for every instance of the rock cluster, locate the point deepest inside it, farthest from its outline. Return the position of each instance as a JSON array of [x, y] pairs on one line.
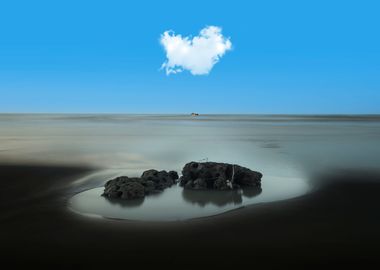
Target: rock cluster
[[151, 181], [218, 176], [195, 175]]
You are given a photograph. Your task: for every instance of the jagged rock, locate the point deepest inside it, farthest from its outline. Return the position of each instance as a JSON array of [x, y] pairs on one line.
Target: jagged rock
[[161, 179], [195, 175], [132, 190], [173, 175], [218, 176], [151, 181]]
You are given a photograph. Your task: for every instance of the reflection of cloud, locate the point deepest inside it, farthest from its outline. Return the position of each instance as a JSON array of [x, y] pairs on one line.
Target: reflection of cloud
[[198, 54]]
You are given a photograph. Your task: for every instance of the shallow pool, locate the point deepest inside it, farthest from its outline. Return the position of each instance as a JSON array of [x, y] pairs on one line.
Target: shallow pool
[[176, 203]]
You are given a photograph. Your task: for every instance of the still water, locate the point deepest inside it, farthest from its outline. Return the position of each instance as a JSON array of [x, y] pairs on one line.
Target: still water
[[176, 203], [288, 150]]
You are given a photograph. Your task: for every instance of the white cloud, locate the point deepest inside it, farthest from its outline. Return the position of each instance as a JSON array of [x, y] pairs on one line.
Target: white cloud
[[198, 54]]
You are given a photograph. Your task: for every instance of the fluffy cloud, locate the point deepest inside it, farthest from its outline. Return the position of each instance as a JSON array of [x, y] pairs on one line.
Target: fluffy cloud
[[198, 54]]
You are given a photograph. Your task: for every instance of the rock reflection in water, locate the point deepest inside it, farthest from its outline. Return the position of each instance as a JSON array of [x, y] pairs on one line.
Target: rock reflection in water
[[176, 203], [126, 203], [251, 192], [219, 198]]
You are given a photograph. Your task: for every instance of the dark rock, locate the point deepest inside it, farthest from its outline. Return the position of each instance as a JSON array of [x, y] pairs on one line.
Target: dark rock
[[161, 179], [200, 184], [173, 175], [195, 175], [149, 187], [127, 188], [188, 185], [132, 190], [218, 176]]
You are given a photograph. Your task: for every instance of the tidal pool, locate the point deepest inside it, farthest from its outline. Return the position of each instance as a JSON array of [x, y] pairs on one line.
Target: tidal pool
[[286, 149], [176, 203]]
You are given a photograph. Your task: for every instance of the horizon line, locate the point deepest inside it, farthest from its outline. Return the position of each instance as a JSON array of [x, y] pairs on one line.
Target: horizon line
[[200, 114]]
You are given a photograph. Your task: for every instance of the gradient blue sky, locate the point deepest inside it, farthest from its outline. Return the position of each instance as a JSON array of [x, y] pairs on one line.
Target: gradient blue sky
[[104, 56]]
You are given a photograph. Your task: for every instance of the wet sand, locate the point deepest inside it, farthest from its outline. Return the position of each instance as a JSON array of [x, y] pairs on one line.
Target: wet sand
[[337, 224]]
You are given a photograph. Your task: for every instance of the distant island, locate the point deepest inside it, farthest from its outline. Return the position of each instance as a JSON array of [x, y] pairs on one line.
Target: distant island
[[194, 114]]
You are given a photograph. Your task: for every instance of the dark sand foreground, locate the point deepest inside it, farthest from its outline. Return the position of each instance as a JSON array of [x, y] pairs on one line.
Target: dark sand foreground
[[337, 224]]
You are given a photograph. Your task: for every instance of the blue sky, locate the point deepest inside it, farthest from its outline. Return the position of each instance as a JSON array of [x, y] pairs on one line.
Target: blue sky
[[105, 56]]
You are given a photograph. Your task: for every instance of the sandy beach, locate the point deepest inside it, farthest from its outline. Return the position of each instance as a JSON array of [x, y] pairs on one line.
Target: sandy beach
[[336, 223]]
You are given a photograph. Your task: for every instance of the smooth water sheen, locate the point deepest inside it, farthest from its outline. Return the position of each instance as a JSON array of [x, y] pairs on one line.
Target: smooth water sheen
[[176, 203], [288, 150]]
